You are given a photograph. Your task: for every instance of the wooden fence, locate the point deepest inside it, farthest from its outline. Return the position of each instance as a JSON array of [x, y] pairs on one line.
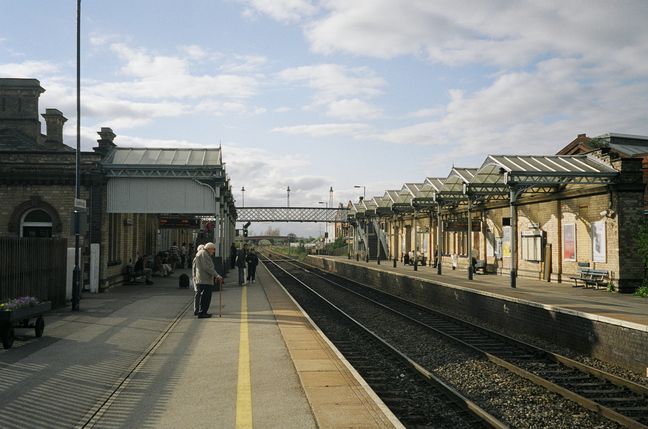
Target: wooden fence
[[33, 267]]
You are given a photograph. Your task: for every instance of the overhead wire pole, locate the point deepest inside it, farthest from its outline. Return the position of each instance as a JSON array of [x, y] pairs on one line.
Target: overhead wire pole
[[76, 276]]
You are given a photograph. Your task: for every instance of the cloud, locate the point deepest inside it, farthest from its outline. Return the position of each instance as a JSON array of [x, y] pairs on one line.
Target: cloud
[[323, 130], [340, 90], [27, 69], [508, 34], [286, 11], [352, 109]]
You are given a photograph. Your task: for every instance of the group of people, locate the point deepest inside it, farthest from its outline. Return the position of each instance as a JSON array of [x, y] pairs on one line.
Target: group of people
[[244, 259], [203, 269]]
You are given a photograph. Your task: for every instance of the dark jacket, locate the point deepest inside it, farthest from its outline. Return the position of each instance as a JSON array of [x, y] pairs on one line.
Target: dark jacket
[[252, 259], [240, 258]]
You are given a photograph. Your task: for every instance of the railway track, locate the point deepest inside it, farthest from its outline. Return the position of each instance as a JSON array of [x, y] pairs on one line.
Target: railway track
[[416, 396], [617, 399]]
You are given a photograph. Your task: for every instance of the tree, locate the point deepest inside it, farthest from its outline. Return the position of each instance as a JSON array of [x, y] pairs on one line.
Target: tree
[[274, 232]]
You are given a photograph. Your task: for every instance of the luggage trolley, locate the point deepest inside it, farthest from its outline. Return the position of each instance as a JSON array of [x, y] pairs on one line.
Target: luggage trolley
[[24, 317]]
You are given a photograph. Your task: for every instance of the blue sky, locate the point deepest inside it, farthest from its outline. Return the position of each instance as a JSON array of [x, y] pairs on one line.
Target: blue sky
[[314, 94]]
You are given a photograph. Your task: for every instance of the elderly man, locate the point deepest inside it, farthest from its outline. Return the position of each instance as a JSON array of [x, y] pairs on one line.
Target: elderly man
[[204, 276]]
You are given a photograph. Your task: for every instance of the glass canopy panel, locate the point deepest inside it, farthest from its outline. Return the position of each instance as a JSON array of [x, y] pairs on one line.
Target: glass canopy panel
[[150, 157], [196, 157], [166, 157], [181, 157], [212, 157]]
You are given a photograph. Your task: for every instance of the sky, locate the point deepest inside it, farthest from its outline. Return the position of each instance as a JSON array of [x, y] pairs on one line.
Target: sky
[[336, 93]]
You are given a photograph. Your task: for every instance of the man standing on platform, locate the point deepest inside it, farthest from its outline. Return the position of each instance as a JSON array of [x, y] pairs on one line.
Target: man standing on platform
[[205, 274]]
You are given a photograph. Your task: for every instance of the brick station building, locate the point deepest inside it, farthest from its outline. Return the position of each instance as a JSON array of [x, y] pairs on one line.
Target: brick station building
[[583, 210], [37, 187]]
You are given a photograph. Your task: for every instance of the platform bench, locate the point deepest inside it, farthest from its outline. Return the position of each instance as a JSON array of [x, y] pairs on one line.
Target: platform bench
[[480, 264], [591, 277]]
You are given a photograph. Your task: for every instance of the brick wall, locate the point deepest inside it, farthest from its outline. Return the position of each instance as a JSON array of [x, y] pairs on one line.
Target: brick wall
[[611, 343]]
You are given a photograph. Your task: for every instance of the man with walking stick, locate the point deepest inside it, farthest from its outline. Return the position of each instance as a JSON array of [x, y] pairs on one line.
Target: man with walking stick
[[205, 276]]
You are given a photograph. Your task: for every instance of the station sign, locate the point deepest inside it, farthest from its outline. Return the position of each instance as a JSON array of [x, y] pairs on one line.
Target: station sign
[[179, 222], [461, 225]]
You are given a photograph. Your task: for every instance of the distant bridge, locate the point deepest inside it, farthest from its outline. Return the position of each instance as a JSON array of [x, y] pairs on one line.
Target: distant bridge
[[290, 214]]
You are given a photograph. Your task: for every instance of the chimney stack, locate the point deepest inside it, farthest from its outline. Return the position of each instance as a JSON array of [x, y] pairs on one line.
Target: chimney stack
[[106, 144], [54, 121]]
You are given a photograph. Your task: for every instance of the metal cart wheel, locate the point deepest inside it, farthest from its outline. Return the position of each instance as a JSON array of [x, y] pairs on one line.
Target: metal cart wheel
[[7, 337], [39, 327]]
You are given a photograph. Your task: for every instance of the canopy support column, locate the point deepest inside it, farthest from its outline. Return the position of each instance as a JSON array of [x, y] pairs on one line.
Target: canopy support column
[[415, 243]]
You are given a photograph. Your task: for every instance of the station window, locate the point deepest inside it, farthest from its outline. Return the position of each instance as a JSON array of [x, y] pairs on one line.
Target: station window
[[114, 231]]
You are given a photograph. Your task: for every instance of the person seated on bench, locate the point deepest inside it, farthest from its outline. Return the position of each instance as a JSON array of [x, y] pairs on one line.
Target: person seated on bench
[[140, 269], [159, 267]]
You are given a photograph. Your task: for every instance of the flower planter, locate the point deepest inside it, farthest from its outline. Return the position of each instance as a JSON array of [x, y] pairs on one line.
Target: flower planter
[[21, 318]]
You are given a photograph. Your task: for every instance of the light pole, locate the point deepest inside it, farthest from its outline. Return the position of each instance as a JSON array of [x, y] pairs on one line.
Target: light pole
[[243, 196], [320, 227], [288, 196], [364, 190], [76, 276]]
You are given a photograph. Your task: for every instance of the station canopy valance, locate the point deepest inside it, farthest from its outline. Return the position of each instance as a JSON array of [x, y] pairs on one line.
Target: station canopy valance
[[542, 173], [452, 191], [426, 193], [148, 180]]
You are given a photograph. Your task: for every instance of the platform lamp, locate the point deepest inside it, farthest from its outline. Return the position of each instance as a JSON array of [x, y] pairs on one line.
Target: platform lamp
[[288, 196], [242, 196], [76, 276]]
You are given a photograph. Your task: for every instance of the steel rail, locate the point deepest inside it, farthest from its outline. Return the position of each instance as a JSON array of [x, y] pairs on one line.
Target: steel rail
[[450, 392], [592, 405]]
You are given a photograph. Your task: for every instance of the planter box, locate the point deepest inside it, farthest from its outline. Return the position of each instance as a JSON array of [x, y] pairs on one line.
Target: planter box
[[24, 313]]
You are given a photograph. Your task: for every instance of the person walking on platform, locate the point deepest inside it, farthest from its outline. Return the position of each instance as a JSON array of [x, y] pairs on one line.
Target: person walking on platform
[[174, 256], [183, 256], [241, 255], [252, 262], [233, 251], [205, 276]]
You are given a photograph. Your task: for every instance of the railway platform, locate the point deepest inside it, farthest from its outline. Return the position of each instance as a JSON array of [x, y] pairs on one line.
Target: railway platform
[[135, 356], [609, 326]]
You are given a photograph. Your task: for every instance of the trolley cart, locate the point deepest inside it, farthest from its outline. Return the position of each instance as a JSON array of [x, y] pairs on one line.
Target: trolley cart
[[24, 317]]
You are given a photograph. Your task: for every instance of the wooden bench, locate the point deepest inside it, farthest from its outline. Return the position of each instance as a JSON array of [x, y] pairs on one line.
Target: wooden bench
[[591, 277], [479, 265]]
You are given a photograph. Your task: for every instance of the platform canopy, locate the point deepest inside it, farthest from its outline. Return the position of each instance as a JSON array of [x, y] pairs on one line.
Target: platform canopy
[[541, 173], [147, 180]]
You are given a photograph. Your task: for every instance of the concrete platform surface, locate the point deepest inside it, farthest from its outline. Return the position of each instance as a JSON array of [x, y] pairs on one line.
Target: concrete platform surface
[[252, 367]]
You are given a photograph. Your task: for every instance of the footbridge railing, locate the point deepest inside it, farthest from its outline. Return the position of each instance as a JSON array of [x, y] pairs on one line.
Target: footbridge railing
[[290, 214]]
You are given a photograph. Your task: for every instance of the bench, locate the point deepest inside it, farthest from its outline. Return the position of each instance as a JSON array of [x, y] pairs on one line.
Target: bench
[[591, 277], [479, 265], [132, 276]]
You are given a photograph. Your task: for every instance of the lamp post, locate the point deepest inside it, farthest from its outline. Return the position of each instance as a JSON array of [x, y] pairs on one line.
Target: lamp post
[[243, 196], [326, 204], [288, 196], [76, 276], [364, 190]]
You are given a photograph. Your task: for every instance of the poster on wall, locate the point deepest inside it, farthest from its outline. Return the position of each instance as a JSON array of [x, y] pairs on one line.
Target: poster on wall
[[569, 242], [490, 244], [506, 242], [599, 252]]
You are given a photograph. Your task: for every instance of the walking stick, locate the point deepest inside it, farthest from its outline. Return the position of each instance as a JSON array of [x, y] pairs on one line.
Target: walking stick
[[220, 297]]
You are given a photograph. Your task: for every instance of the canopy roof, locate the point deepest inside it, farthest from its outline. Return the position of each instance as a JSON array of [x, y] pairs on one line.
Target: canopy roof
[[542, 171], [151, 162]]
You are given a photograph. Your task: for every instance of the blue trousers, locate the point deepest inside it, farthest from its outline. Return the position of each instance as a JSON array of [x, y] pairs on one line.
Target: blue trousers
[[241, 272]]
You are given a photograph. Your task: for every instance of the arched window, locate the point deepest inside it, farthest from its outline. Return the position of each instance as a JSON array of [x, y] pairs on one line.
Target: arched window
[[36, 223]]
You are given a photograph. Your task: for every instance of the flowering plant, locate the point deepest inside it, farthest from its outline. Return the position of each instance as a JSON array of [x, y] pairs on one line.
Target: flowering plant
[[14, 304]]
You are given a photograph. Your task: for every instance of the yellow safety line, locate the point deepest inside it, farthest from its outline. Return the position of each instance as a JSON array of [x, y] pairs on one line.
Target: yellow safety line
[[244, 388]]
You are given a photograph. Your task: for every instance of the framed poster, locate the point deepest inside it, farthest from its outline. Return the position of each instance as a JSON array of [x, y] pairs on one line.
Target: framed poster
[[506, 242], [569, 242], [599, 251]]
